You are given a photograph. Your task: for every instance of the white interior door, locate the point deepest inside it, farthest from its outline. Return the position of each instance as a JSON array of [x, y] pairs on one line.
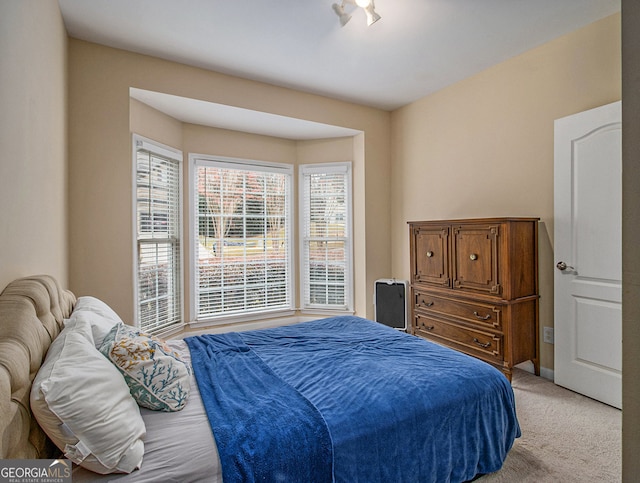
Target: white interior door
[[588, 253]]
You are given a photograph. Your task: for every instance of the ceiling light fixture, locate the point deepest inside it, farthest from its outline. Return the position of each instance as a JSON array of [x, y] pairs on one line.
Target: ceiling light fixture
[[366, 5]]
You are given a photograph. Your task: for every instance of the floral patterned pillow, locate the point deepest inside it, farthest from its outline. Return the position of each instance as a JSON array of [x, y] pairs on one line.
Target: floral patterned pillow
[[157, 378]]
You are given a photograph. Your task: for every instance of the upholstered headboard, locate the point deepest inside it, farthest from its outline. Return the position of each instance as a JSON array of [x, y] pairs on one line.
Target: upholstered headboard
[[32, 310]]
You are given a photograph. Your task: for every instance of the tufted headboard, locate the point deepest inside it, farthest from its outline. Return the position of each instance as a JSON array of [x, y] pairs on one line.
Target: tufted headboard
[[32, 310]]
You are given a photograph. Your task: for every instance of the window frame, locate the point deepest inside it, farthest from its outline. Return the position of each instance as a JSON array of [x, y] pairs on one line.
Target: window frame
[[197, 159], [161, 150], [337, 167]]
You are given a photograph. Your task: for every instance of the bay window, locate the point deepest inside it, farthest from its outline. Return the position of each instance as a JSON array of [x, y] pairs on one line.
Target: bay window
[[240, 231]]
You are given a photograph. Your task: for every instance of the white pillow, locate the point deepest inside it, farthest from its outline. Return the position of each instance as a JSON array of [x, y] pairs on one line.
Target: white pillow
[[83, 404], [156, 375], [98, 314]]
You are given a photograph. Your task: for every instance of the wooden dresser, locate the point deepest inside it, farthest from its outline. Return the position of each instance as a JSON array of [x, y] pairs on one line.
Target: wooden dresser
[[474, 287]]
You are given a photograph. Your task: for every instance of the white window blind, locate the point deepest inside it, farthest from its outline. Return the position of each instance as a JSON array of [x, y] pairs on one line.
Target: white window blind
[[242, 235], [326, 245], [157, 212]]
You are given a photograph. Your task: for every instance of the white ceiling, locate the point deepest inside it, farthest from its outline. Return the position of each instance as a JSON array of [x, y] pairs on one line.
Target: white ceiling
[[418, 47]]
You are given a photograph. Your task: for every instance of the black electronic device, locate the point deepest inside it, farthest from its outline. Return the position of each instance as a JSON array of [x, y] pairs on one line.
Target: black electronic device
[[390, 303]]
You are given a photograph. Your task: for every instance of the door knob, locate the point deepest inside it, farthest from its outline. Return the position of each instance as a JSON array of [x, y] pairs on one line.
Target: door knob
[[563, 266]]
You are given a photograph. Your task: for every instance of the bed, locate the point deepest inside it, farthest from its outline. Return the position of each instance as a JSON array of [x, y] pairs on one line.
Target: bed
[[338, 399]]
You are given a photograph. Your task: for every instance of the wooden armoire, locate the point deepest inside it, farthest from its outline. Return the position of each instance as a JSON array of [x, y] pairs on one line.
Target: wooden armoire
[[474, 287]]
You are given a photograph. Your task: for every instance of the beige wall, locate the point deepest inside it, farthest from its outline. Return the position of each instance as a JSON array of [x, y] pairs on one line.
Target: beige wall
[[100, 171], [155, 125], [484, 146], [33, 141]]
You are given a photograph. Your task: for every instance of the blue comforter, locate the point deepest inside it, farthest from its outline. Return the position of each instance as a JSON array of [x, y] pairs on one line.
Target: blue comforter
[[349, 400]]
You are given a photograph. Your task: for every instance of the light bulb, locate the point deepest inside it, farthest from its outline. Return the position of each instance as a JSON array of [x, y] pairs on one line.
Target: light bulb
[[363, 3]]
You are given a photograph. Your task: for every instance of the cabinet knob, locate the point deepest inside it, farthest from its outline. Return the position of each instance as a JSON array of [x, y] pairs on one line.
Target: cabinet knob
[[426, 304], [473, 256], [429, 253]]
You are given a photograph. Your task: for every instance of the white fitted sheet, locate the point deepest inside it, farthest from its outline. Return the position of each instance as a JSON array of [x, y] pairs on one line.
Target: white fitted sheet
[[178, 447]]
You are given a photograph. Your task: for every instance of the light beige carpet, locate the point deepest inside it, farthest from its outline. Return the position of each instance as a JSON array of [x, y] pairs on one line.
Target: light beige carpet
[[566, 437]]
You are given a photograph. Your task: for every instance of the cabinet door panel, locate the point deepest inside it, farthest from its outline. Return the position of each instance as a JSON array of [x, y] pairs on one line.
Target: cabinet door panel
[[431, 255], [475, 260]]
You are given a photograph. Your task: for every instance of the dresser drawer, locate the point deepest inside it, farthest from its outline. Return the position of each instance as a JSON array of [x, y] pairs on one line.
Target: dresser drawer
[[476, 313], [480, 343]]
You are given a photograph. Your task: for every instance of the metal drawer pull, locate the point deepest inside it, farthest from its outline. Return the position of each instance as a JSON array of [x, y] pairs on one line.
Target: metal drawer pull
[[429, 327], [427, 304], [429, 253], [486, 317], [473, 256], [484, 346]]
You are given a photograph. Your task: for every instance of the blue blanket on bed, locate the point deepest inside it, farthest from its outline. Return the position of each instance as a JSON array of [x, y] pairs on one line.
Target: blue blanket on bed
[[368, 404], [265, 430]]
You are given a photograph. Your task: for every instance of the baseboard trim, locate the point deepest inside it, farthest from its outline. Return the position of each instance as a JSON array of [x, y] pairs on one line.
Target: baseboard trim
[[547, 373], [544, 371]]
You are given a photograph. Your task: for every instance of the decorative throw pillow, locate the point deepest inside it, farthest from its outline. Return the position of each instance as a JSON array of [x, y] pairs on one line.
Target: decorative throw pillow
[[157, 378], [83, 404]]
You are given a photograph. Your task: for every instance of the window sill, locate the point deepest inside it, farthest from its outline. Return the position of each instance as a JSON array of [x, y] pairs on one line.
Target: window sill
[[253, 322], [170, 332], [242, 322], [325, 312]]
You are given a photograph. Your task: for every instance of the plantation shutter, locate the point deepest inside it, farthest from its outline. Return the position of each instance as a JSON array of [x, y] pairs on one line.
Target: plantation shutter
[[325, 192], [242, 238], [159, 289]]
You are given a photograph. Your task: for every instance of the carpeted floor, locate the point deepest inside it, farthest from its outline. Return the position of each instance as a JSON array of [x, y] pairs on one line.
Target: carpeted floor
[[566, 437]]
